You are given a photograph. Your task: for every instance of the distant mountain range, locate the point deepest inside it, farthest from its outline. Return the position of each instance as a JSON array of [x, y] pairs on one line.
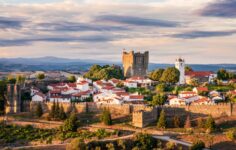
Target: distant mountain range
[[55, 63]]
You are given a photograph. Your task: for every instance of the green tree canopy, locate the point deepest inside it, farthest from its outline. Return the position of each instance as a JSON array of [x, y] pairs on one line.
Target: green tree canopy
[[40, 76], [72, 79], [71, 123], [188, 69], [159, 99], [170, 75], [20, 79], [39, 110], [156, 74], [97, 72], [210, 124]]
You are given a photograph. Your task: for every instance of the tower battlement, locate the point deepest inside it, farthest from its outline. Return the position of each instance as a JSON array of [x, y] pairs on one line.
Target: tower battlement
[[135, 63]]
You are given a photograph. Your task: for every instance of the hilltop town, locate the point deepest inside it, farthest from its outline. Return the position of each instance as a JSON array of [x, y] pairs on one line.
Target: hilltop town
[[176, 105]]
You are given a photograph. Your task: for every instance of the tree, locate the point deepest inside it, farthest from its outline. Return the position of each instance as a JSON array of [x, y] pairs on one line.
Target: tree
[[71, 123], [106, 117], [200, 123], [72, 79], [76, 144], [39, 110], [176, 121], [3, 88], [197, 145], [170, 75], [110, 146], [97, 72], [210, 124], [160, 88], [20, 79], [162, 120], [188, 69], [144, 141], [11, 79], [40, 76], [121, 144], [62, 114], [159, 99], [188, 122], [53, 110], [156, 74]]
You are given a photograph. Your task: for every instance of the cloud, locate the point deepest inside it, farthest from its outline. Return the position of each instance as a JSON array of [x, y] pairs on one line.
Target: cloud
[[29, 41], [6, 22], [137, 21], [202, 34], [220, 8], [74, 26]]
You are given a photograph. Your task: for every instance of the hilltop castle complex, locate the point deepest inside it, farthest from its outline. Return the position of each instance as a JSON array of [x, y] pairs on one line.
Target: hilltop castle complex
[[135, 64]]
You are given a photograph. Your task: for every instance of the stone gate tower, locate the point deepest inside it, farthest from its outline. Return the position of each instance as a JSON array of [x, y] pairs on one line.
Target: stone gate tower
[[180, 65], [135, 64], [13, 104]]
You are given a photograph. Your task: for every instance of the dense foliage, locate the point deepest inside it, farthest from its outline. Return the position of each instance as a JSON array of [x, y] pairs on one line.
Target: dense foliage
[[162, 120], [222, 74], [106, 117], [198, 145], [188, 69], [40, 76], [170, 75], [72, 79], [210, 124], [97, 72], [57, 112], [71, 123], [158, 99], [156, 74]]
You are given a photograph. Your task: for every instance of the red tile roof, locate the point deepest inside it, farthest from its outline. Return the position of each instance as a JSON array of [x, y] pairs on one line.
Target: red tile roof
[[71, 84], [136, 97], [198, 73], [188, 92], [202, 89]]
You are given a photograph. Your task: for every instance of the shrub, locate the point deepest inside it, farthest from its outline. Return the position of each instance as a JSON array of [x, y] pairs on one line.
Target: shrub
[[144, 141], [71, 124], [76, 144], [162, 120], [170, 145], [230, 135], [106, 117], [198, 145]]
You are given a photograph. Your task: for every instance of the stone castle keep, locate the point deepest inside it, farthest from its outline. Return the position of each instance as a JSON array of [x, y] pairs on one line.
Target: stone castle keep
[[135, 64]]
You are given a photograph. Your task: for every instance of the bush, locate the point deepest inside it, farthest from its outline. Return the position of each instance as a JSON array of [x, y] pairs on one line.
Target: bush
[[76, 144], [200, 123], [170, 145], [198, 145], [230, 135], [144, 141], [106, 117], [71, 124]]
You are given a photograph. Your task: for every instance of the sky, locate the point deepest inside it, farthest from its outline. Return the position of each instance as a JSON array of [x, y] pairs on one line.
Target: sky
[[200, 31]]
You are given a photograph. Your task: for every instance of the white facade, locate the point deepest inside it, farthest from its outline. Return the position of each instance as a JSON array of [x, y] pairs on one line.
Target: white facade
[[180, 65], [38, 98], [131, 84]]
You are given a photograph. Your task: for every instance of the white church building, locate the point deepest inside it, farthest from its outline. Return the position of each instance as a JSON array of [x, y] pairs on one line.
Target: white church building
[[180, 65]]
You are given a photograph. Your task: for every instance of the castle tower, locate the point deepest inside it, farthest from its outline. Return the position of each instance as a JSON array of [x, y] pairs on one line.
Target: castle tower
[[180, 65], [13, 98], [135, 64]]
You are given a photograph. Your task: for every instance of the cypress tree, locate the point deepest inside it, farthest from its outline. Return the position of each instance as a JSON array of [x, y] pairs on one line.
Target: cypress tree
[[162, 120], [57, 111], [39, 110], [106, 117], [62, 114], [188, 122], [52, 112], [210, 124], [71, 123], [176, 121]]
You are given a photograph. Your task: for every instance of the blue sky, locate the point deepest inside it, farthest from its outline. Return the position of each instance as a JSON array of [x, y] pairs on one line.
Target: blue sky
[[201, 31]]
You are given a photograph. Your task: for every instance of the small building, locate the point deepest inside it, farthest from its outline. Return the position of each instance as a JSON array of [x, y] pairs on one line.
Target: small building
[[39, 97]]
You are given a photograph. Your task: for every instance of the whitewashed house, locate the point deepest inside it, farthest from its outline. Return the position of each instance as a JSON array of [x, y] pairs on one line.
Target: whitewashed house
[[39, 97]]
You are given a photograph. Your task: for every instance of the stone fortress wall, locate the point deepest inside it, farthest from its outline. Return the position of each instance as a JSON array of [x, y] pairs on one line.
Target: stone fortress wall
[[144, 115]]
